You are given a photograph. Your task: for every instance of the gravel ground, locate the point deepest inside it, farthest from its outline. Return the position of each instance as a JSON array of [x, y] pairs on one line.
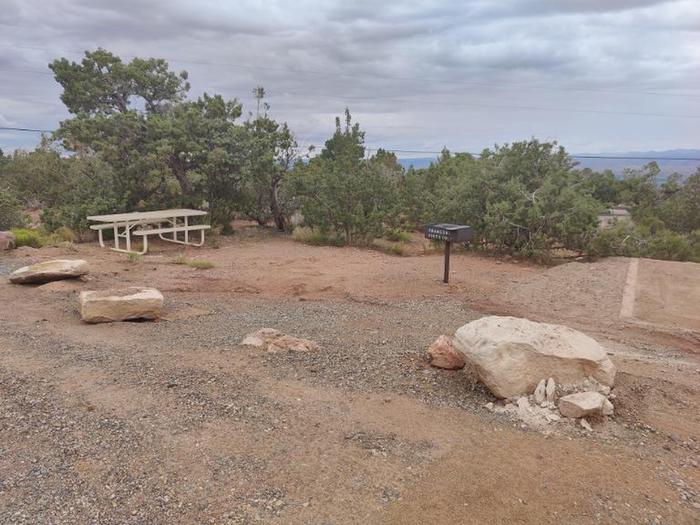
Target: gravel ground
[[174, 422]]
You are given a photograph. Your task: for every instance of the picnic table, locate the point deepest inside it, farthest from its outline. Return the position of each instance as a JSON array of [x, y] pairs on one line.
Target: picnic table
[[145, 223]]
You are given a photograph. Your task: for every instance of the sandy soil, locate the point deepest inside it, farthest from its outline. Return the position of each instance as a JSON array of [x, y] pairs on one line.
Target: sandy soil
[[668, 294], [174, 422]]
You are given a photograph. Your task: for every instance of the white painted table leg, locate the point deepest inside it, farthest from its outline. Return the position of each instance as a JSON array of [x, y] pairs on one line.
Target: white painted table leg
[[128, 236]]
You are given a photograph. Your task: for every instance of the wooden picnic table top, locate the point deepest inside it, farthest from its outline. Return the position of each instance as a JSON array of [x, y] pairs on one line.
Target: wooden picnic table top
[[147, 215]]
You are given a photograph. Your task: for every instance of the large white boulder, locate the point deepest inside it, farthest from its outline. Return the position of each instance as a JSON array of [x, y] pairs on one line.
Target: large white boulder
[[124, 304], [511, 355], [47, 271]]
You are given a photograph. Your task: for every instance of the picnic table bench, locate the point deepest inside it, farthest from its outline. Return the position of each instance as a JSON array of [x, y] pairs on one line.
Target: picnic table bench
[[143, 224]]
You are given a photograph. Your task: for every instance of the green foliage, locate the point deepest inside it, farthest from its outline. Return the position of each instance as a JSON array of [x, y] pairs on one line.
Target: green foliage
[[523, 198], [343, 194], [38, 177], [30, 237], [631, 240], [11, 214], [200, 264], [270, 154], [135, 142], [399, 236], [65, 234], [103, 84], [134, 258], [317, 237], [163, 151]]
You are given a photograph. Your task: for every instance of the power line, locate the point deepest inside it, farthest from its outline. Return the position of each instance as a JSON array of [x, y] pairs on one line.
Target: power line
[[428, 152]]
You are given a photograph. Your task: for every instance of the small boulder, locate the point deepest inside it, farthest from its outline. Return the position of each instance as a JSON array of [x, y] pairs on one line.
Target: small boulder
[[550, 390], [48, 271], [120, 305], [582, 404], [7, 241], [608, 408], [443, 354], [261, 337], [540, 392], [274, 341], [586, 425], [510, 355]]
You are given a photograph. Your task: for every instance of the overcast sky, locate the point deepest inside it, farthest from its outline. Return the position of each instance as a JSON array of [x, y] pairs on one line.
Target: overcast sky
[[596, 75]]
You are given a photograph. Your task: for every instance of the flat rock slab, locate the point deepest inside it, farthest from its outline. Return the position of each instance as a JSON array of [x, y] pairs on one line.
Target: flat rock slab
[[124, 304], [512, 355], [48, 271], [274, 341], [583, 404]]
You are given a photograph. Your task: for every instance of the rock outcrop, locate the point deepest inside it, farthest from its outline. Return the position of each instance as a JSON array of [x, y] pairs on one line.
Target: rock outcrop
[[124, 304], [48, 271], [275, 341], [443, 354], [511, 355]]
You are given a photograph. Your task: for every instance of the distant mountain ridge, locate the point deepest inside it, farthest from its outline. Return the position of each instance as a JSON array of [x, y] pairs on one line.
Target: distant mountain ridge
[[617, 165]]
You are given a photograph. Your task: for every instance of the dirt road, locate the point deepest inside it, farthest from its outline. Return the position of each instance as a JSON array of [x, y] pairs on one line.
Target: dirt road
[[174, 422]]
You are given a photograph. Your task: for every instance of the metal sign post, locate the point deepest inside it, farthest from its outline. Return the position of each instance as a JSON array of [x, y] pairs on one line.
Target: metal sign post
[[448, 248], [449, 233]]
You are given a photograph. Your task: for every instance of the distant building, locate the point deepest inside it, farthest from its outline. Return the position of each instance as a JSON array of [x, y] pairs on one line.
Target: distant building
[[613, 216]]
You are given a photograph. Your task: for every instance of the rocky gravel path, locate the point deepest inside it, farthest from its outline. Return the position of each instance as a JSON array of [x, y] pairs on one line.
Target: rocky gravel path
[[173, 421]]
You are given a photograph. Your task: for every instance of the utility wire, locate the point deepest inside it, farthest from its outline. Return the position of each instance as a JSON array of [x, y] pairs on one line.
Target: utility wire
[[427, 152]]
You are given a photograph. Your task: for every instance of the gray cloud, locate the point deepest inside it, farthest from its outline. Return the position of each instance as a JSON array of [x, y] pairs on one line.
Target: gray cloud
[[417, 75]]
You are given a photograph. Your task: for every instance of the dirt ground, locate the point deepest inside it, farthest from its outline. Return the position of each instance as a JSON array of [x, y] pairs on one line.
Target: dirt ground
[[668, 294], [175, 422]]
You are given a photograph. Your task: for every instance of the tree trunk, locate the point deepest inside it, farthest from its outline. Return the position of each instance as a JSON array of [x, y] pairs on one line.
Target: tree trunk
[[180, 174], [277, 214]]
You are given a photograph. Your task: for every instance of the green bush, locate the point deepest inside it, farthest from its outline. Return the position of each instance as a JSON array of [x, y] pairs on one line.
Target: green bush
[[11, 215], [28, 237], [65, 234], [200, 264], [628, 240], [399, 236], [316, 237]]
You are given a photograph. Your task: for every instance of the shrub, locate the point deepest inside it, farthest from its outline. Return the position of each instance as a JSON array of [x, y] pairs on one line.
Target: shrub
[[11, 215], [399, 236], [28, 237], [200, 264], [397, 249], [630, 240], [133, 257], [316, 237], [64, 233]]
